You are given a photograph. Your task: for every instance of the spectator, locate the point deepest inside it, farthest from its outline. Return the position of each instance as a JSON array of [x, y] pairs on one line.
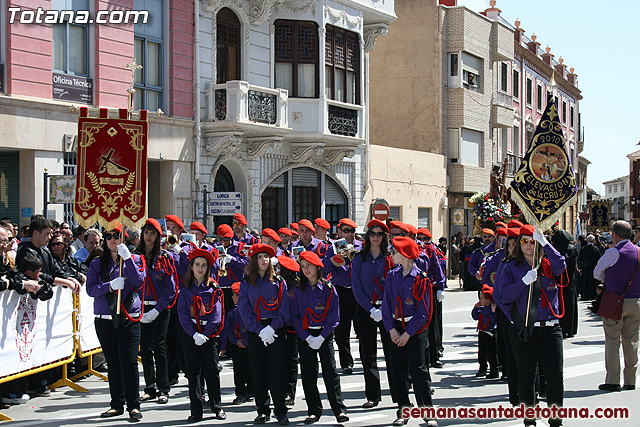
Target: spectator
[[92, 239], [587, 260], [79, 242]]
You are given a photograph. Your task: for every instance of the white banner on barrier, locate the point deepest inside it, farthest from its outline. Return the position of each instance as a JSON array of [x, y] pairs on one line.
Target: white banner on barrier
[[88, 338], [34, 332]]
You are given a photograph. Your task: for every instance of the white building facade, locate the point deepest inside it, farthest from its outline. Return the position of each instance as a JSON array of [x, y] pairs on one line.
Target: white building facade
[[617, 192]]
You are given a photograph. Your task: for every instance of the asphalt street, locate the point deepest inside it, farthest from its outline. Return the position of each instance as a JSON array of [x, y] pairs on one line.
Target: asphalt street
[[455, 386]]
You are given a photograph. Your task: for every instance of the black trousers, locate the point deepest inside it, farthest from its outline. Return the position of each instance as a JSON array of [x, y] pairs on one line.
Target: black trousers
[[487, 351], [242, 372], [120, 348], [268, 373], [291, 363], [202, 362], [434, 329], [309, 372], [410, 360], [175, 353], [504, 328], [153, 351], [343, 331], [545, 345], [368, 343]]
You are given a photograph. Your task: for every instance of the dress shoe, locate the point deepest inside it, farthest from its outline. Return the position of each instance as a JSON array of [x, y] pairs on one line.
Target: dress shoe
[[289, 401], [135, 414], [162, 399], [283, 420], [609, 387], [221, 415], [342, 418], [112, 413], [370, 404], [194, 419], [492, 375], [628, 387], [261, 419], [173, 381], [310, 419], [239, 400], [481, 373], [400, 421], [347, 371], [437, 364]]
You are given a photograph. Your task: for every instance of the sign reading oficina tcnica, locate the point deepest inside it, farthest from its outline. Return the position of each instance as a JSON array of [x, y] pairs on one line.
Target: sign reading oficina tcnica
[[225, 203]]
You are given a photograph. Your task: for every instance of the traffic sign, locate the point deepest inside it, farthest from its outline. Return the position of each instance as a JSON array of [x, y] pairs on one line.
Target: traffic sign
[[381, 211], [225, 203]]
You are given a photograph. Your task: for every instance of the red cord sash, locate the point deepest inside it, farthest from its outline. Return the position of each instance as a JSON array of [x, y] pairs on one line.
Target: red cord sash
[[418, 292], [316, 318], [268, 306]]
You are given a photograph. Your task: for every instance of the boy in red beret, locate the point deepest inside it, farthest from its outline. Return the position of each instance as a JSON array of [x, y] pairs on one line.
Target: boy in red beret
[[484, 311]]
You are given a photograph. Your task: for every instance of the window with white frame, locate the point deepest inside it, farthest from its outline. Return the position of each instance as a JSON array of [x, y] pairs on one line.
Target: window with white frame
[[504, 77], [621, 187], [70, 41], [571, 116], [516, 84], [424, 217], [342, 65], [470, 147], [394, 212], [454, 70], [615, 188], [296, 58], [564, 111], [148, 52], [454, 145], [529, 91], [228, 46], [471, 72], [540, 97], [516, 139]]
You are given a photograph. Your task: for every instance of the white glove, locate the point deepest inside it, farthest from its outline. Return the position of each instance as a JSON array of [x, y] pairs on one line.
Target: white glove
[[117, 284], [268, 335], [530, 277], [539, 237], [123, 251], [177, 249], [376, 314], [150, 316], [200, 339], [315, 342], [274, 261], [228, 258], [440, 295]]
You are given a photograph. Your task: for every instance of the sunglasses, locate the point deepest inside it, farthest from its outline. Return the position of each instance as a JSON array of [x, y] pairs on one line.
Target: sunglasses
[[348, 230], [237, 223], [376, 233], [524, 241], [399, 235], [57, 243], [109, 236], [423, 239]]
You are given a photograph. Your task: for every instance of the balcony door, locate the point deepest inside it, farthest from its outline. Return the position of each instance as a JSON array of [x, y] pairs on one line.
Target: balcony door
[[228, 46]]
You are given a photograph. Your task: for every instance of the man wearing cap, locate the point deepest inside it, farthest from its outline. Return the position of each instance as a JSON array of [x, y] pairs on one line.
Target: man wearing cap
[[271, 238], [235, 262], [322, 227], [240, 233], [397, 229], [285, 240], [200, 231], [308, 241], [489, 246], [340, 269]]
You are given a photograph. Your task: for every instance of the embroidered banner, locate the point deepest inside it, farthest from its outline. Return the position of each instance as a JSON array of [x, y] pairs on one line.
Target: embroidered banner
[[599, 211], [111, 181], [545, 185]]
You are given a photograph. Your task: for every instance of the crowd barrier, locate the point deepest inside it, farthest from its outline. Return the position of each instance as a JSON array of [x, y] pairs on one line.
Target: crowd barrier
[[41, 335]]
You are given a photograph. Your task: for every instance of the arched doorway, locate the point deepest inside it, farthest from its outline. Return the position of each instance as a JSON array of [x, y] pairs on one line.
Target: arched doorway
[[223, 182]]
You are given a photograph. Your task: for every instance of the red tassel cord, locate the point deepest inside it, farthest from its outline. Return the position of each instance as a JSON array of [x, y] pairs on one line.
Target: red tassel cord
[[268, 306], [197, 304], [421, 286], [316, 318]]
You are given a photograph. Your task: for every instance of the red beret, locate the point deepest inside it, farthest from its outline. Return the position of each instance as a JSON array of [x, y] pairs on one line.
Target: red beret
[[400, 225], [514, 223], [312, 258], [487, 291], [117, 226], [308, 224], [322, 223], [501, 224], [407, 247], [197, 225], [202, 253], [293, 226], [271, 233], [502, 231], [224, 230], [285, 230], [412, 229], [175, 219], [377, 223], [240, 218], [488, 231], [425, 232], [347, 221], [261, 247], [155, 224], [288, 263], [236, 288], [294, 233], [527, 230], [513, 232]]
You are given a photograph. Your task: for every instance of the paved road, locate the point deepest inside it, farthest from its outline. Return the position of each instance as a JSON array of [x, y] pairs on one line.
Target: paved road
[[455, 384]]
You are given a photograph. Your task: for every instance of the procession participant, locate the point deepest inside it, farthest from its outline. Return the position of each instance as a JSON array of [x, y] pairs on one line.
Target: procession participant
[[240, 233], [201, 316], [543, 342], [322, 227], [158, 296], [369, 271], [315, 314], [397, 229], [200, 231], [264, 308], [289, 270], [406, 312], [339, 267], [308, 241], [234, 338], [413, 232], [489, 245], [271, 238], [500, 224], [285, 235], [616, 270], [235, 263], [514, 223], [295, 235], [484, 311], [120, 341]]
